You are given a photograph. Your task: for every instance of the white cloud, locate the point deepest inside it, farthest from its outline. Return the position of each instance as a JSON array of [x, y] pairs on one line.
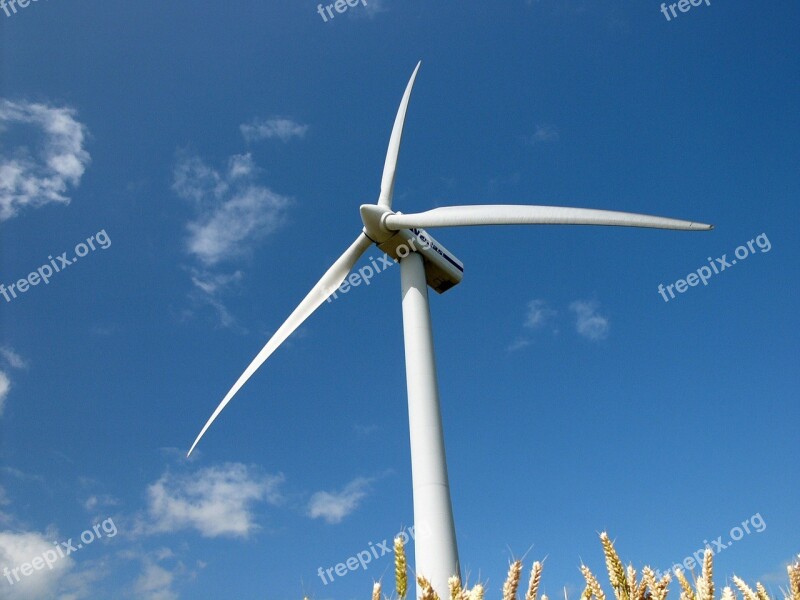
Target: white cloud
[[232, 211], [14, 360], [590, 323], [211, 287], [92, 503], [17, 549], [545, 133], [155, 583], [5, 386], [335, 506], [371, 9], [42, 177], [518, 344], [276, 127], [538, 314], [213, 283], [216, 501]]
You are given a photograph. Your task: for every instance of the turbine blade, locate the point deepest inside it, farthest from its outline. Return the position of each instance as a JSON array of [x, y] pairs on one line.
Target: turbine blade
[[515, 214], [390, 166], [332, 279]]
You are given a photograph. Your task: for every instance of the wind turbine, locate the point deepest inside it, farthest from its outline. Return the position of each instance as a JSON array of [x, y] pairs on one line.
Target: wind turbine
[[424, 262]]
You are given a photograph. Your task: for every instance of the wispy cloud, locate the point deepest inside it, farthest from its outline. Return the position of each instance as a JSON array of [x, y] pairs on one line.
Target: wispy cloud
[[32, 178], [210, 287], [545, 133], [282, 128], [215, 501], [538, 314], [589, 323], [365, 430], [94, 502], [232, 211], [335, 506], [373, 8], [14, 361], [155, 582], [5, 386]]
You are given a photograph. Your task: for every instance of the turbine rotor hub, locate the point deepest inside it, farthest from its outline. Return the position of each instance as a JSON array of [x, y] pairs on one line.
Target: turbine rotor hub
[[374, 218]]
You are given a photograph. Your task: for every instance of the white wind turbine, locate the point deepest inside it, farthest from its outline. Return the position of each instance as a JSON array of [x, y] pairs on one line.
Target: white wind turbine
[[424, 262]]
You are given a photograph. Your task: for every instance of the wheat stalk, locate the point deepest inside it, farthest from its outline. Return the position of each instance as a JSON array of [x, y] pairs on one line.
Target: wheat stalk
[[663, 586], [705, 583], [640, 593], [477, 592], [533, 582], [512, 581], [794, 579], [592, 583], [728, 594], [746, 590], [687, 593], [454, 585], [616, 571], [631, 579], [761, 591], [400, 568], [428, 592], [376, 590], [649, 579]]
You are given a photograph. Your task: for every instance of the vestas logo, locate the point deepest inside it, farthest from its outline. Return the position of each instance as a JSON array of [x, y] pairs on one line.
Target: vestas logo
[[428, 242]]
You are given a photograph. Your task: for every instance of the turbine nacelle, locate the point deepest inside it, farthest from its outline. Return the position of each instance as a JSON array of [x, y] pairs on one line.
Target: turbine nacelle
[[442, 269]]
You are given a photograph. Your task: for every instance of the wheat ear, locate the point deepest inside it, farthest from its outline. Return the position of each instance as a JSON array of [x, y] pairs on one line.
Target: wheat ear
[[454, 585], [428, 592], [746, 590], [687, 593], [512, 581], [533, 582], [616, 571], [477, 592], [400, 568], [794, 579], [592, 583]]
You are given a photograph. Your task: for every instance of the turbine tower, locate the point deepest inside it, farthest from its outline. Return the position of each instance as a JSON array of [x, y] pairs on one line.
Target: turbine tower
[[424, 263]]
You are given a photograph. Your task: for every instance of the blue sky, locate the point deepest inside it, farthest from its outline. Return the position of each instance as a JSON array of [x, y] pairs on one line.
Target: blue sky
[[216, 155]]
